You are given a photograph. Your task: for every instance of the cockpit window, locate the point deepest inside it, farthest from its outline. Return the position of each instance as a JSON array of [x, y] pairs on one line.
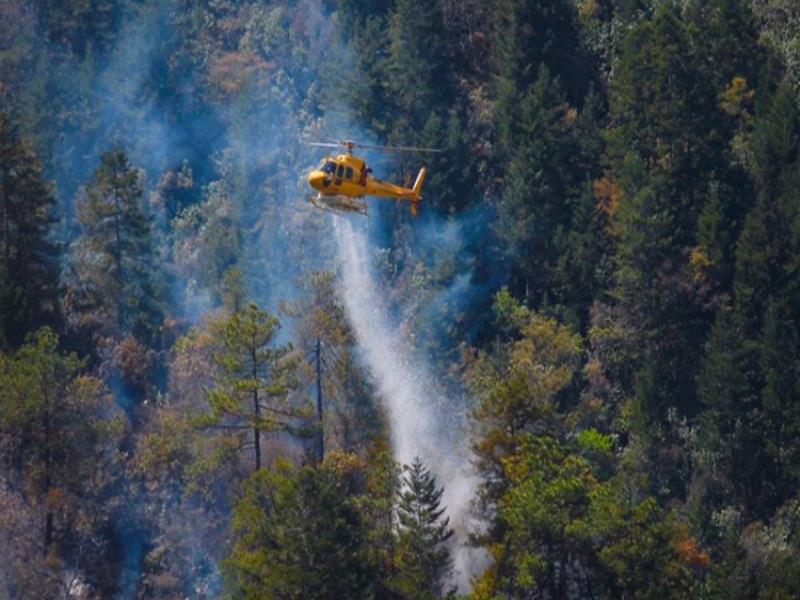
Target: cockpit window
[[340, 172], [348, 174], [329, 167]]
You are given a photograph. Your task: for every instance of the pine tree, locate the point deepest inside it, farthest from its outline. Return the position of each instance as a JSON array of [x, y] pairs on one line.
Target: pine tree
[[28, 254], [519, 388], [541, 177], [299, 535], [422, 532], [664, 149], [60, 430], [416, 54], [347, 415], [113, 280], [252, 391], [526, 37], [745, 381]]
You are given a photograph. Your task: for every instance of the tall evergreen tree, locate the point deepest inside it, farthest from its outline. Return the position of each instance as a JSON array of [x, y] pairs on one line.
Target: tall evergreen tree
[[749, 376], [28, 253], [422, 556], [529, 35], [665, 145], [252, 391], [416, 54], [299, 535], [521, 388], [60, 433], [347, 415], [542, 179], [114, 278]]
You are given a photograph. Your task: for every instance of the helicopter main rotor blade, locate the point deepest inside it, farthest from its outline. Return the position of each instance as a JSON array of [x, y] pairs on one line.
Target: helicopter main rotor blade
[[349, 144], [398, 148]]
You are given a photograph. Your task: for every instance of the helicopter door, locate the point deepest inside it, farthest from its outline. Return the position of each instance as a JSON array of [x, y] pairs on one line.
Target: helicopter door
[[339, 174]]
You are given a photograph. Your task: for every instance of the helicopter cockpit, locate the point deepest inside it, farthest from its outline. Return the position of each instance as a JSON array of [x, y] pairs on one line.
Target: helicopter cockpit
[[327, 166]]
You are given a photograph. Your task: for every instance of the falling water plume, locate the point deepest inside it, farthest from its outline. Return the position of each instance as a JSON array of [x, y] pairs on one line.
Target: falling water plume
[[406, 387]]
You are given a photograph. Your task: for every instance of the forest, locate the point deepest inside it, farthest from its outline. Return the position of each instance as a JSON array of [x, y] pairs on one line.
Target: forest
[[575, 375]]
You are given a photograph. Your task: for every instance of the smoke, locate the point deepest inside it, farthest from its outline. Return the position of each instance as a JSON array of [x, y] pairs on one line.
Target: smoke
[[425, 422], [133, 97]]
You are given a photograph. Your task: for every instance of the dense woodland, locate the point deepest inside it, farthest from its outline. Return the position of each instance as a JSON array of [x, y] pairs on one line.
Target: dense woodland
[[606, 271]]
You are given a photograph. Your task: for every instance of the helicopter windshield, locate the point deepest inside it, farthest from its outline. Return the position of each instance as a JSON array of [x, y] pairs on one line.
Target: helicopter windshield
[[327, 166]]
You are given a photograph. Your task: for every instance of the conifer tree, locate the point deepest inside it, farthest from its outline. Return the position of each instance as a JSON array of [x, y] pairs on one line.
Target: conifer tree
[[60, 429], [114, 287], [540, 179], [752, 357], [299, 535], [347, 414], [28, 254], [527, 36], [252, 390], [417, 55], [663, 153], [422, 556]]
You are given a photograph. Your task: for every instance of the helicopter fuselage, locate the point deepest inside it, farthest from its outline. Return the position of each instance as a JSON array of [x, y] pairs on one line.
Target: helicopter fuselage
[[348, 176]]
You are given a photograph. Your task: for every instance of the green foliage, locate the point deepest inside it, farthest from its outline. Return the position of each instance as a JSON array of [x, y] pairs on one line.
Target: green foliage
[[114, 287], [521, 389], [545, 188], [298, 535], [28, 254], [207, 241], [529, 36], [417, 66], [252, 389], [542, 513], [351, 420], [61, 445], [642, 548], [627, 169], [422, 558], [561, 527]]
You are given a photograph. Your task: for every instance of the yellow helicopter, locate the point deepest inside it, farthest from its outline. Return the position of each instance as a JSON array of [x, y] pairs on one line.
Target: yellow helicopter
[[343, 181]]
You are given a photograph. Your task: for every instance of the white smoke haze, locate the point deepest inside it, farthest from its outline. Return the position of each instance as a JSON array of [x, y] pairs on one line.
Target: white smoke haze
[[264, 134], [423, 422]]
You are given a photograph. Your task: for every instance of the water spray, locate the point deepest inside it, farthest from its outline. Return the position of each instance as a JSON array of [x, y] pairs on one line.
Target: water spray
[[419, 426]]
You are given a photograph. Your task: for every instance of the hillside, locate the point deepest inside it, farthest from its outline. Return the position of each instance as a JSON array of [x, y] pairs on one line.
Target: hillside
[[575, 374]]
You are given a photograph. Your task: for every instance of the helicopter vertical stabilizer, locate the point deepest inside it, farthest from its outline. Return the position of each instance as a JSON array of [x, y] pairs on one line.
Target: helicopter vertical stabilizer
[[417, 189]]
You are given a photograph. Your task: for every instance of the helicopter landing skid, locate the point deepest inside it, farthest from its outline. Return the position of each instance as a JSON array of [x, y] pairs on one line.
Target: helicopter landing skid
[[339, 204]]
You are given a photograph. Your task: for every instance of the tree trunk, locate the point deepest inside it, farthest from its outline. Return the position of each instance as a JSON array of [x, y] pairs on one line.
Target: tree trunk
[[118, 259], [7, 228], [321, 432], [48, 522], [256, 408]]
